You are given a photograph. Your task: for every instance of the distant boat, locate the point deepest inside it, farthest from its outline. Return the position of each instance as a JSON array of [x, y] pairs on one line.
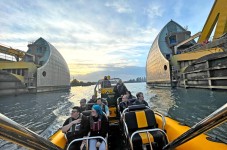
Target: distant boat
[[175, 59], [42, 68]]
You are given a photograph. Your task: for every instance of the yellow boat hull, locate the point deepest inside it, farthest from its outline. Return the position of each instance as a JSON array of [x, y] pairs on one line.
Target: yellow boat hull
[[173, 130], [58, 138]]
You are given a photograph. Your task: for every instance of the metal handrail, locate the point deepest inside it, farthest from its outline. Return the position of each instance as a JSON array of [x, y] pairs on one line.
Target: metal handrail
[[125, 127], [17, 134], [163, 119], [211, 121], [147, 131], [88, 138], [95, 90], [123, 112], [143, 130], [118, 106], [118, 99]]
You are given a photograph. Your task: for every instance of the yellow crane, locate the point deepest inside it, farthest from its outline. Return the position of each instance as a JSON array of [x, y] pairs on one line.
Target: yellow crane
[[218, 18], [13, 52]]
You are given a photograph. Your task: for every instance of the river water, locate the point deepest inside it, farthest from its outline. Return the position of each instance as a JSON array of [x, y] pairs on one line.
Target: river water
[[44, 113]]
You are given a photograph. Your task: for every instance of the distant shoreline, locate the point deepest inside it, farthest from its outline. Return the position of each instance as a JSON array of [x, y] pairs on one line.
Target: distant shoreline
[[134, 81], [89, 83]]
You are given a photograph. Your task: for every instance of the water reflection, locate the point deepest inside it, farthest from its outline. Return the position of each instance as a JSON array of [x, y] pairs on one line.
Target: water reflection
[[195, 103], [163, 100], [34, 111], [80, 92]]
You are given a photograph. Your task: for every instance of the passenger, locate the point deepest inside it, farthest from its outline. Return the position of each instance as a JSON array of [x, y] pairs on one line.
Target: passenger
[[83, 104], [140, 99], [91, 102], [98, 127], [104, 107], [131, 98], [125, 103], [105, 83], [120, 89], [93, 99], [72, 129]]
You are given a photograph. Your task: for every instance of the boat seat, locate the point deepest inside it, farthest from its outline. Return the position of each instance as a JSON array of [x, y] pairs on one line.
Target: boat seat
[[137, 107], [132, 100], [157, 138], [86, 113], [140, 125], [142, 119]]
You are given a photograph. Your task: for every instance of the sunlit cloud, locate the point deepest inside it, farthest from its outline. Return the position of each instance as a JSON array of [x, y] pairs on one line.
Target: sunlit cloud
[[83, 69]]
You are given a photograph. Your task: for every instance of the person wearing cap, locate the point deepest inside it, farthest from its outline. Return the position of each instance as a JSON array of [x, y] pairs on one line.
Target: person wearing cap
[[98, 127], [83, 104], [72, 128]]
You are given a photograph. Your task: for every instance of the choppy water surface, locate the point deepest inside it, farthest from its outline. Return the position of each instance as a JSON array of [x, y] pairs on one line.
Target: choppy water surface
[[44, 113]]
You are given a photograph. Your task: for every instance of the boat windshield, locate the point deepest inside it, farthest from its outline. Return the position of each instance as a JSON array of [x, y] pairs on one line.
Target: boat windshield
[[100, 84]]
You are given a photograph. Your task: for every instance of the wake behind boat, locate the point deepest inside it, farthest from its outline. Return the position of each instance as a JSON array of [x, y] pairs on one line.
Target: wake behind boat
[[136, 127]]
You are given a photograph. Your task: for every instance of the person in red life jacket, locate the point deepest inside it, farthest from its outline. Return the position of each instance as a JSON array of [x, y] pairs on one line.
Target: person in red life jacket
[[98, 127]]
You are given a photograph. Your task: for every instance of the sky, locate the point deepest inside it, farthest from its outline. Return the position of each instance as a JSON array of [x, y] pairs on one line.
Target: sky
[[98, 37]]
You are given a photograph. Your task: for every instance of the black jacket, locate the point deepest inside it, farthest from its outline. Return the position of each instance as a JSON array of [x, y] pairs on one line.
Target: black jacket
[[137, 102], [119, 89], [78, 133]]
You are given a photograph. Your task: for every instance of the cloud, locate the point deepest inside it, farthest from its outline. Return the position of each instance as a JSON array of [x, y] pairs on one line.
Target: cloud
[[154, 10], [117, 33], [119, 6]]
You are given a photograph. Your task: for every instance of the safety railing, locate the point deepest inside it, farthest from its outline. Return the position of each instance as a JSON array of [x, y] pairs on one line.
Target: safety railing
[[88, 138]]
